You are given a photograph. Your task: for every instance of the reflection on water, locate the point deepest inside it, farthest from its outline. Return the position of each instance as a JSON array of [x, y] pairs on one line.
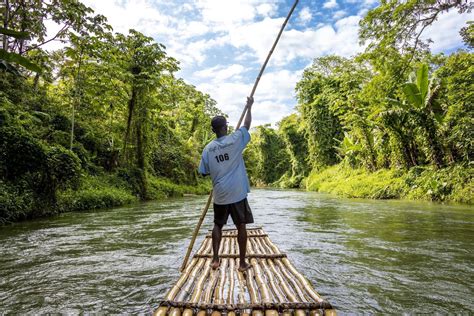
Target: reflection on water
[[361, 255]]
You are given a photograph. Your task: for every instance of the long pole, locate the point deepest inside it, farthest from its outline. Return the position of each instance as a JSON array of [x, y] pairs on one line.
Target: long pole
[[206, 208]]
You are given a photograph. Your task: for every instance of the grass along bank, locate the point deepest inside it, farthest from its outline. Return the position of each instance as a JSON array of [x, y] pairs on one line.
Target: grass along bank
[[92, 192], [452, 184]]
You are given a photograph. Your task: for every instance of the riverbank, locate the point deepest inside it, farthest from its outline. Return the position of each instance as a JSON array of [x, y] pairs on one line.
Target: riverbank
[[92, 192], [452, 184]]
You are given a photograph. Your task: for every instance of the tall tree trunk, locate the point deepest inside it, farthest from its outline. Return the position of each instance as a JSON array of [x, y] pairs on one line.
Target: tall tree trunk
[[370, 145], [140, 150], [436, 154], [6, 17], [36, 81], [131, 108]]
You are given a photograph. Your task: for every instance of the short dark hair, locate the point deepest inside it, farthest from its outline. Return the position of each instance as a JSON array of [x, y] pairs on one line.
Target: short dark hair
[[218, 122]]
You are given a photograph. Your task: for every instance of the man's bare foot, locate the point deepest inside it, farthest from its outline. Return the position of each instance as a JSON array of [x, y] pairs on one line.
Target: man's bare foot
[[245, 267], [215, 264]]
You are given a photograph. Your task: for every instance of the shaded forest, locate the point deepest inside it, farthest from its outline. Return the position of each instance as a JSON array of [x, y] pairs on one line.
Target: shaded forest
[[101, 122]]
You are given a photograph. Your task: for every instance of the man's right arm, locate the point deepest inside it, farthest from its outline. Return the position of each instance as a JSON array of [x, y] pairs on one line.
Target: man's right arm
[[204, 164], [248, 116]]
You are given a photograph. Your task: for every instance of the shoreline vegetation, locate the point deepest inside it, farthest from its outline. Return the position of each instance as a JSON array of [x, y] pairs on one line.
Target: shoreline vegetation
[[93, 192], [453, 184]]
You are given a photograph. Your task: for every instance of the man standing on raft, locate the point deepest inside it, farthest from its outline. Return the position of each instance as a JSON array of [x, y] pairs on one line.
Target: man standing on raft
[[222, 159]]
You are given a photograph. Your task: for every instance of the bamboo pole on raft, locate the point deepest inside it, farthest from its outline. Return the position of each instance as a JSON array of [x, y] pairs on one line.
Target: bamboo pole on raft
[[206, 208]]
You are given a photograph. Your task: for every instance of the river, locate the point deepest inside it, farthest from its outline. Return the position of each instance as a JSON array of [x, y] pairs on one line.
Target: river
[[363, 256]]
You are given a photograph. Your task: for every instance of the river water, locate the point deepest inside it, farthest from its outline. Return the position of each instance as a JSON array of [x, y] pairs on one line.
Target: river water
[[363, 256]]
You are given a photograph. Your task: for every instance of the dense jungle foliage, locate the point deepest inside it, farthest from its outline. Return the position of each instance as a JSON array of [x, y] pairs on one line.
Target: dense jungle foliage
[[101, 122], [393, 122]]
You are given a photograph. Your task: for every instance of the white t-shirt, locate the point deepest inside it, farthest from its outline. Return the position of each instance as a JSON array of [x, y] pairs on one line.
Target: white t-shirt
[[222, 159]]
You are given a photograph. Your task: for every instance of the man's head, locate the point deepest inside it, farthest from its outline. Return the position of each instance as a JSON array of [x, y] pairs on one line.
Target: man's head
[[219, 125]]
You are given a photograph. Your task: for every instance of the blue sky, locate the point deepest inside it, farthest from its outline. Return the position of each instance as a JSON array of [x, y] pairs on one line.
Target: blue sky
[[221, 44]]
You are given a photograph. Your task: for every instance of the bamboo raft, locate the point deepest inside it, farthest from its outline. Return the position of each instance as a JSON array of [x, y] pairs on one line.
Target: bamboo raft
[[272, 286]]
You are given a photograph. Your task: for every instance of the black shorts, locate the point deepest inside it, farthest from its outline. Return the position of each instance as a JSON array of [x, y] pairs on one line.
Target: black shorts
[[239, 211]]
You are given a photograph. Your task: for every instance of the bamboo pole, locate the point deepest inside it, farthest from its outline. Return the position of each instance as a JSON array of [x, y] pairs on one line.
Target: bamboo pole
[[230, 293], [254, 297], [260, 280], [201, 219], [271, 245], [255, 248], [330, 312], [253, 290], [291, 280], [175, 311], [283, 284], [297, 312], [261, 244], [272, 283], [186, 289], [210, 286], [315, 312], [241, 280], [200, 284], [196, 231], [205, 244], [177, 287], [219, 291], [309, 289]]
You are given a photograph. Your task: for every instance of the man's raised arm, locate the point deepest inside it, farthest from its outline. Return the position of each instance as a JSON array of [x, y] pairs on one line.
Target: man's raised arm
[[248, 116]]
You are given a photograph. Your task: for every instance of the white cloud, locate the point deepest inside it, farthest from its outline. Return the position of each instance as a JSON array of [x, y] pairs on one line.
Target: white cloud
[[220, 73], [266, 9], [364, 3], [258, 36], [225, 13], [274, 97], [330, 4], [445, 31], [278, 85], [339, 14], [305, 15], [141, 15], [269, 112], [340, 39], [230, 96]]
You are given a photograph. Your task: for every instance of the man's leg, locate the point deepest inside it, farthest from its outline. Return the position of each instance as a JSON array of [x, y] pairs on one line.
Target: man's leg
[[242, 240], [216, 242]]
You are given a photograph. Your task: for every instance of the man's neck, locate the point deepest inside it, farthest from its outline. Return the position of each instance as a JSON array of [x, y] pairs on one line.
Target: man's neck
[[220, 134]]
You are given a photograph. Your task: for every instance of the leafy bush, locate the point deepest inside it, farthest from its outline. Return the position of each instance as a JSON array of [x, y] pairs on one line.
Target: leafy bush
[[96, 192], [420, 183], [13, 204], [94, 198], [382, 184], [159, 188], [63, 167], [20, 153]]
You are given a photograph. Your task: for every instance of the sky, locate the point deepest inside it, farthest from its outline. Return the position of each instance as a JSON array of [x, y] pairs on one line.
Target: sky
[[221, 44]]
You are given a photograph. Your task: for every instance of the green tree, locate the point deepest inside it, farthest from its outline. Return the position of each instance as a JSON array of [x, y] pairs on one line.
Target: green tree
[[291, 132], [267, 156]]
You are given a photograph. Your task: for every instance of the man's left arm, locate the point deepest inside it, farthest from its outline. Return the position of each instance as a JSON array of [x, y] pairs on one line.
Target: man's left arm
[[248, 116]]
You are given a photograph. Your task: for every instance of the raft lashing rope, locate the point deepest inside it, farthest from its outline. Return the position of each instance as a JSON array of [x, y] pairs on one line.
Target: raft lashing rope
[[272, 286]]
